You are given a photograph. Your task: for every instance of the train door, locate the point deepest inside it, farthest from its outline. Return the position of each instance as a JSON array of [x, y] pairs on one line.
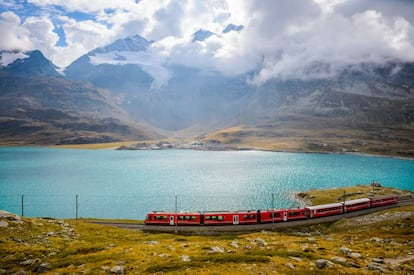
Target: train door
[[235, 219], [285, 214], [171, 220]]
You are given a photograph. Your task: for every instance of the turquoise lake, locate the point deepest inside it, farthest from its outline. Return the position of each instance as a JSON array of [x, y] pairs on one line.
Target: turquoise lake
[[128, 184]]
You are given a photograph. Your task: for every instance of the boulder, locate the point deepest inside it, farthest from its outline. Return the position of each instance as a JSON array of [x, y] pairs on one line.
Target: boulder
[[3, 224], [118, 269], [322, 263], [346, 251], [185, 258], [261, 242]]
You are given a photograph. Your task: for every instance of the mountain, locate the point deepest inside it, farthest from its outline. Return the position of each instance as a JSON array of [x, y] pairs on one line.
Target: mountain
[[40, 106], [119, 67], [369, 110], [366, 107], [32, 63], [165, 96]]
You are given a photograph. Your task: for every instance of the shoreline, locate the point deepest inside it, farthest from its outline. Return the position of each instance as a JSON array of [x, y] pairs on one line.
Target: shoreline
[[118, 145]]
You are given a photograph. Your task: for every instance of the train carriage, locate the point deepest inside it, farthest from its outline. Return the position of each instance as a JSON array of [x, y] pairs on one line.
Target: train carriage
[[282, 215], [385, 200], [324, 210], [226, 218], [358, 204], [165, 218], [159, 218]]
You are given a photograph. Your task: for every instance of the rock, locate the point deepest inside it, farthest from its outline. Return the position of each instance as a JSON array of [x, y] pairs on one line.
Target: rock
[[185, 258], [377, 260], [290, 265], [20, 272], [216, 249], [3, 224], [322, 263], [354, 265], [346, 251], [118, 269], [295, 258], [28, 262], [261, 242], [235, 244], [306, 248], [105, 268], [42, 267], [376, 239], [338, 259], [355, 255], [376, 266], [164, 255]]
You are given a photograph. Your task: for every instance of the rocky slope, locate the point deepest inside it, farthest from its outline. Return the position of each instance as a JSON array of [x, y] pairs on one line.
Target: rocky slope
[[39, 106]]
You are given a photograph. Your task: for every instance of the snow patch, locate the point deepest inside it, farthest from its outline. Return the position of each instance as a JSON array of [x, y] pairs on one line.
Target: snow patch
[[149, 62], [7, 58]]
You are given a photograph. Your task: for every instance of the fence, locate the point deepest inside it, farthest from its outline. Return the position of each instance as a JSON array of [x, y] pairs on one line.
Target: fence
[[132, 206]]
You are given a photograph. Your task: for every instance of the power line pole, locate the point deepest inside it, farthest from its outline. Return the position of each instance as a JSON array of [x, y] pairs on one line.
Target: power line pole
[[77, 207], [22, 205], [273, 210], [176, 211]]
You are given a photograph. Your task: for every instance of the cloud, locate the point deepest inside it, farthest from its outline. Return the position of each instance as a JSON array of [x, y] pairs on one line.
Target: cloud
[[284, 39], [14, 36]]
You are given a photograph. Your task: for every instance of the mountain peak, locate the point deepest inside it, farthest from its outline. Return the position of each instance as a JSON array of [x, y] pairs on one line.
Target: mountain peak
[[232, 27], [31, 63], [134, 43]]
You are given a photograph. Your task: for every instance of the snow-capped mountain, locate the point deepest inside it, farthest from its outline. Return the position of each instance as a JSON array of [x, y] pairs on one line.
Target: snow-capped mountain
[[191, 98], [32, 63], [126, 65]]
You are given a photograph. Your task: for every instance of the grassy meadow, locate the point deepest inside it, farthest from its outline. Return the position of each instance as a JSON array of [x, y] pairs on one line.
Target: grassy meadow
[[381, 242]]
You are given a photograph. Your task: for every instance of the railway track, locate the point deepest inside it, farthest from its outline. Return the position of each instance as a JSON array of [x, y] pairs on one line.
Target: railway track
[[239, 229]]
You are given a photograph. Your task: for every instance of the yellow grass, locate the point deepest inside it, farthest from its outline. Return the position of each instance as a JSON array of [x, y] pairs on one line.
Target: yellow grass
[[81, 247]]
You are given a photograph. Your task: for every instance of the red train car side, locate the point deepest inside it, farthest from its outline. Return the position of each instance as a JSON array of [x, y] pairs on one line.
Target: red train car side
[[265, 216], [165, 218], [280, 215], [385, 200], [358, 204], [159, 218], [324, 210]]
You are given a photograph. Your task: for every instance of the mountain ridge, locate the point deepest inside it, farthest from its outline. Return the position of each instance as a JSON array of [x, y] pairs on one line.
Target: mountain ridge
[[363, 108]]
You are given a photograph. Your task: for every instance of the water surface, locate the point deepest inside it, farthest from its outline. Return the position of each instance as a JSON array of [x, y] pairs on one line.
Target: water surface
[[127, 184]]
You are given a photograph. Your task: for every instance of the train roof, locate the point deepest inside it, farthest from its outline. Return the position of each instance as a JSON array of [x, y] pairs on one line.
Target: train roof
[[357, 201], [322, 206]]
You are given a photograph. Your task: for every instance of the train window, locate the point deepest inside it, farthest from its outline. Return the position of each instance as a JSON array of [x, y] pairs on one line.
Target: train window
[[275, 215], [249, 217], [220, 218], [292, 214], [208, 218], [161, 217]]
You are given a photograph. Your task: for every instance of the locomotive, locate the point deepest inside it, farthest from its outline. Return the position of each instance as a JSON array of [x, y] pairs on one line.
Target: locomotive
[[242, 217]]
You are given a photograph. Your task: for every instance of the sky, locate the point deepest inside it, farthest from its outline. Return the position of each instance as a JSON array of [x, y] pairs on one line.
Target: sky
[[280, 38]]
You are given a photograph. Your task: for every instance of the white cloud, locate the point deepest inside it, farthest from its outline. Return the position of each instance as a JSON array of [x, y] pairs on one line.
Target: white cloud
[[280, 39], [14, 36]]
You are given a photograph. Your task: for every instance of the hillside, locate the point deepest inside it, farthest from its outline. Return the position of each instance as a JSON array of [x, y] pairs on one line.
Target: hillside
[[376, 243], [40, 106], [366, 107]]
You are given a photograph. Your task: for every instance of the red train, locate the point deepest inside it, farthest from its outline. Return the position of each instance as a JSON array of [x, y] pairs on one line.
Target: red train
[[265, 216]]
